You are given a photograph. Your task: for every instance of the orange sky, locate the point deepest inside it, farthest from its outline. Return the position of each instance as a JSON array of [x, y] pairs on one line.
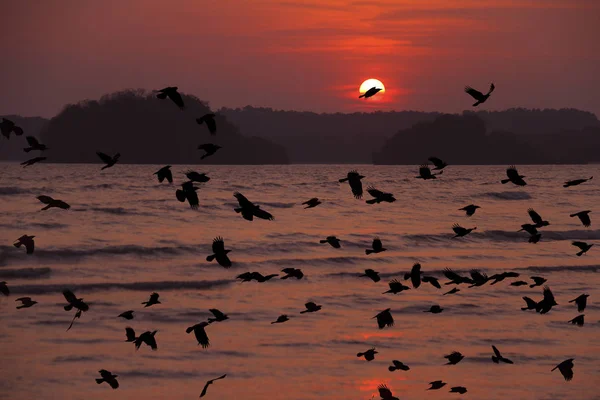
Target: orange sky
[[303, 55]]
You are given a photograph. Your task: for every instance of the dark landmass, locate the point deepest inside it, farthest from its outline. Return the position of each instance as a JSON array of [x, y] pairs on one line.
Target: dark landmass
[[12, 149], [359, 137], [146, 130], [463, 139]]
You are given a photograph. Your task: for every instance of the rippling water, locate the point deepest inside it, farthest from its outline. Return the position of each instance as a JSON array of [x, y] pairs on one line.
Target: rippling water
[[127, 236]]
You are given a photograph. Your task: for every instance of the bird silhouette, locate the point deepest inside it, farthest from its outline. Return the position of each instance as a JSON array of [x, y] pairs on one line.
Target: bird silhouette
[[497, 357], [4, 288], [470, 209], [566, 369], [452, 291], [249, 209], [26, 241], [529, 228], [197, 177], [74, 302], [460, 231], [398, 366], [152, 300], [353, 179], [426, 174], [479, 278], [435, 309], [164, 173], [502, 276], [7, 127], [439, 164], [209, 120], [530, 304], [431, 280], [130, 335], [414, 275], [576, 182], [209, 149], [311, 307], [34, 144], [148, 338], [454, 358], [458, 389], [578, 320], [208, 383], [127, 315], [519, 283], [396, 287], [584, 217], [435, 385], [257, 276], [218, 316], [455, 278], [370, 93], [537, 219], [108, 160], [384, 318], [109, 378], [172, 93], [26, 302], [583, 246], [311, 203], [514, 177], [292, 273], [371, 273], [33, 161], [477, 95], [200, 333], [537, 281], [547, 302], [369, 355], [385, 393], [376, 247], [534, 238], [581, 301], [281, 319], [188, 192], [50, 203], [333, 241], [379, 196], [219, 253]]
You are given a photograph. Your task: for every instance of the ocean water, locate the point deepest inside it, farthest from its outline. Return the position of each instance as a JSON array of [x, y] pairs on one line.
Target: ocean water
[[126, 236]]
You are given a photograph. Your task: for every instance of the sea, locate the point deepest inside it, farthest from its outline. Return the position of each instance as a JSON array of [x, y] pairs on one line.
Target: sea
[[127, 236]]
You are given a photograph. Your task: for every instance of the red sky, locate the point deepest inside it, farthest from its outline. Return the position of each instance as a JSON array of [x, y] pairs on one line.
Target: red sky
[[303, 55]]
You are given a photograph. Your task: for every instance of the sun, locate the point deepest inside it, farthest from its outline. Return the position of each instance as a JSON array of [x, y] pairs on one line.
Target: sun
[[369, 83]]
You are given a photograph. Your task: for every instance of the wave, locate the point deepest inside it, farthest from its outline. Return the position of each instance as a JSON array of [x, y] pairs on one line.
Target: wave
[[25, 273], [13, 190], [563, 268], [506, 195], [119, 211], [70, 359]]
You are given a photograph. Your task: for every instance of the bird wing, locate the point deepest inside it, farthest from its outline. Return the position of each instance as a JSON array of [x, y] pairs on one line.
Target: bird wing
[[45, 199], [310, 305], [424, 171], [104, 157], [436, 161], [69, 296], [548, 296], [176, 97], [242, 200], [453, 276], [218, 314], [374, 192], [476, 94], [512, 172], [260, 213], [377, 245], [154, 297], [205, 388], [130, 333], [492, 87], [33, 142], [212, 124], [356, 186], [384, 392], [496, 352], [192, 198], [458, 229], [566, 371], [581, 245], [218, 245], [535, 217], [585, 219], [202, 337], [433, 281]]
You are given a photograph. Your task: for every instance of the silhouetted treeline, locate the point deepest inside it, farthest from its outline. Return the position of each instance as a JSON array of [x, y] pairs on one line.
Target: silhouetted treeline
[[12, 149], [463, 139], [353, 138], [145, 129]]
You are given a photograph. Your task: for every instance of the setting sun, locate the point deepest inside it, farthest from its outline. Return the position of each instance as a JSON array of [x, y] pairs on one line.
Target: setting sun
[[369, 83]]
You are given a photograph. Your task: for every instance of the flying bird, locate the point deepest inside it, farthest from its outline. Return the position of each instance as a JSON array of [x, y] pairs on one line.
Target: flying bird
[[209, 120], [514, 177], [477, 95], [581, 302], [130, 335], [74, 302], [566, 369], [537, 219], [197, 177], [470, 209], [4, 289], [50, 203], [458, 389], [455, 290], [396, 287], [385, 393], [529, 228], [584, 217], [583, 246], [26, 241], [370, 93], [455, 278], [188, 192], [431, 280], [26, 302], [281, 319], [369, 355], [172, 93], [249, 210], [576, 182], [371, 273], [519, 283], [34, 145], [152, 300], [7, 127], [209, 149], [376, 247], [219, 253], [460, 231], [497, 357], [311, 203], [547, 302], [529, 304], [333, 241], [439, 164], [414, 275], [503, 275], [353, 179], [398, 365], [108, 160], [479, 278], [384, 318], [425, 173], [208, 383], [534, 238], [218, 316], [435, 385], [537, 281], [454, 358], [578, 320], [109, 378], [127, 315], [200, 333], [148, 338], [311, 307], [164, 173], [379, 196], [33, 161], [292, 273], [435, 309]]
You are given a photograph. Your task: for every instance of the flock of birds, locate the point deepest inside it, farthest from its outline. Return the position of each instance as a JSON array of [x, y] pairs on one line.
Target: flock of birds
[[249, 211]]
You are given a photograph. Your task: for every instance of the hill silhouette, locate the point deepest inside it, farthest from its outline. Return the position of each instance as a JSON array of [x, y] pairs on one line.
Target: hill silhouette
[[145, 129], [12, 149]]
